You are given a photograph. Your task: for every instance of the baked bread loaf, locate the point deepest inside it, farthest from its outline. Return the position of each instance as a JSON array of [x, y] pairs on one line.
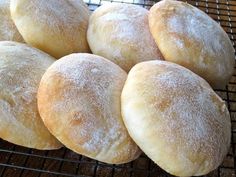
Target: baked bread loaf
[[21, 69], [120, 33], [176, 118], [79, 102], [8, 31], [56, 27], [187, 36]]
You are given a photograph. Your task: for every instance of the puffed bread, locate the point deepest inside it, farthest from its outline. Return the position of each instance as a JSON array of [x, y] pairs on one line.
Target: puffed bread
[[21, 69], [176, 118], [187, 36], [120, 33], [8, 30], [57, 27], [79, 102]]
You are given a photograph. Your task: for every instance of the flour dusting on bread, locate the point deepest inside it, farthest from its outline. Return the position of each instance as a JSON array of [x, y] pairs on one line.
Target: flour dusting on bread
[[87, 104]]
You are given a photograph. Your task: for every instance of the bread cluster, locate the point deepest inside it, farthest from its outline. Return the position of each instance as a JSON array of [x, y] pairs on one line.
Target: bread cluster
[[147, 86]]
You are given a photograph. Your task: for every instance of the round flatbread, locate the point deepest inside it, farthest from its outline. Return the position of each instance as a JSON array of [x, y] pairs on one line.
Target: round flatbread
[[56, 27], [120, 33], [79, 102], [21, 69], [176, 118], [187, 36]]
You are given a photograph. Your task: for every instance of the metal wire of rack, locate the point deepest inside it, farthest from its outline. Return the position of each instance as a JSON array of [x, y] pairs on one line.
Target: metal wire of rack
[[16, 161]]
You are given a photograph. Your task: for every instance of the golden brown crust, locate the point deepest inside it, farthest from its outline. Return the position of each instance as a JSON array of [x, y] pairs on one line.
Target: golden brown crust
[[21, 69], [56, 27], [189, 37], [8, 30], [120, 33], [79, 101], [176, 118]]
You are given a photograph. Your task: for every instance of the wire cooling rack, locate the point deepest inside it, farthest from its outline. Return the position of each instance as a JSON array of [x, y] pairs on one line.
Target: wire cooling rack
[[16, 161]]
